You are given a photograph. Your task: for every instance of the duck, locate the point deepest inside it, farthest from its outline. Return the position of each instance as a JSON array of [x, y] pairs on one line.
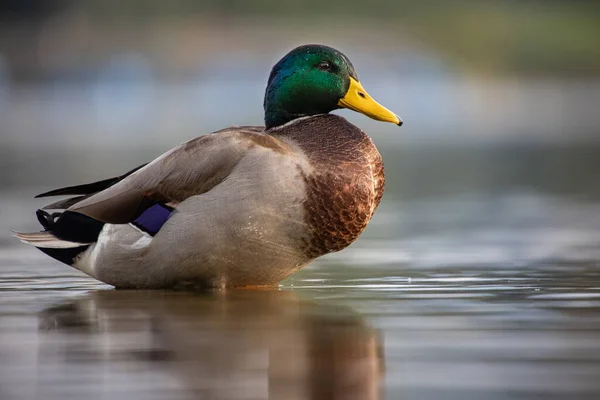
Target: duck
[[242, 207]]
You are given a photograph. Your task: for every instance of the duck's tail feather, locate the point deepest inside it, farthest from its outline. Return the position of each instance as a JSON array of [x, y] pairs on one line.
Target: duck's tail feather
[[46, 240], [71, 226], [61, 250], [66, 235], [67, 256]]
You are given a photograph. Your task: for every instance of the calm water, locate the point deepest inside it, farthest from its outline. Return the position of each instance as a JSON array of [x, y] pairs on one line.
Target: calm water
[[478, 278]]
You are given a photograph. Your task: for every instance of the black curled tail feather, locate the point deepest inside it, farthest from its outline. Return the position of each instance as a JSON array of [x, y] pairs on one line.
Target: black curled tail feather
[[47, 219], [69, 226], [68, 234]]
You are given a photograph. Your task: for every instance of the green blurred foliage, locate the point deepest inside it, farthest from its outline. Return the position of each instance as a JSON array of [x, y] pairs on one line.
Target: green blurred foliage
[[513, 37], [485, 36], [519, 37]]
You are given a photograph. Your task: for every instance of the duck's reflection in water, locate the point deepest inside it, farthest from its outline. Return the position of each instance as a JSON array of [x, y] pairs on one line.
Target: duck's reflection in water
[[243, 345]]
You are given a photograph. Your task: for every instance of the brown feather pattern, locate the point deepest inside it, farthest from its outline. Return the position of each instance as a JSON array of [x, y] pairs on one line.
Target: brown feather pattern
[[345, 186]]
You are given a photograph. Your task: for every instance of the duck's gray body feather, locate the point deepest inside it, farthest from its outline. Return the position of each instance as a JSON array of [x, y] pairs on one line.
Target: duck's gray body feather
[[244, 231]]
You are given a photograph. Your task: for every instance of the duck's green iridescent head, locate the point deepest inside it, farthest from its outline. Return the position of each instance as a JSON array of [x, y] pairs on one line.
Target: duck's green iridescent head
[[315, 79]]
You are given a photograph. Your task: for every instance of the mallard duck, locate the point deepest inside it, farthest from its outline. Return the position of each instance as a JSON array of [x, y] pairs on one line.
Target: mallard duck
[[243, 206]]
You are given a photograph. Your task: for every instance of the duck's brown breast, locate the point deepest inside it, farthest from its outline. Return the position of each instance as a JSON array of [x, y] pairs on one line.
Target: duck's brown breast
[[345, 184]]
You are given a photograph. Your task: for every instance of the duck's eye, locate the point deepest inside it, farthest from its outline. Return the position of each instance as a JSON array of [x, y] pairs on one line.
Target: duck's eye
[[325, 65]]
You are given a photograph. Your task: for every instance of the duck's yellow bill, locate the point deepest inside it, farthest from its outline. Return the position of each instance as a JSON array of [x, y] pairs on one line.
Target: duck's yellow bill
[[357, 99]]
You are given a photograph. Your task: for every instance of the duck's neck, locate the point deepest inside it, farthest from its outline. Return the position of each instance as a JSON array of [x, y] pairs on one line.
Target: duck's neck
[[282, 106], [287, 98], [277, 117]]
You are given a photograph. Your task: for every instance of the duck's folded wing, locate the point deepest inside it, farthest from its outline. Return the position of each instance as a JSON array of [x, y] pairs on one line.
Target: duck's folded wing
[[88, 188], [187, 170], [81, 191]]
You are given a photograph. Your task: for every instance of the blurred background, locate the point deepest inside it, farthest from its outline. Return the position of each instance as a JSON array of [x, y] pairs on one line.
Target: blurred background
[[480, 270], [491, 82]]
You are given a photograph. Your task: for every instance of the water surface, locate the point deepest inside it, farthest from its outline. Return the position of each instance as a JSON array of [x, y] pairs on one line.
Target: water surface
[[474, 294]]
